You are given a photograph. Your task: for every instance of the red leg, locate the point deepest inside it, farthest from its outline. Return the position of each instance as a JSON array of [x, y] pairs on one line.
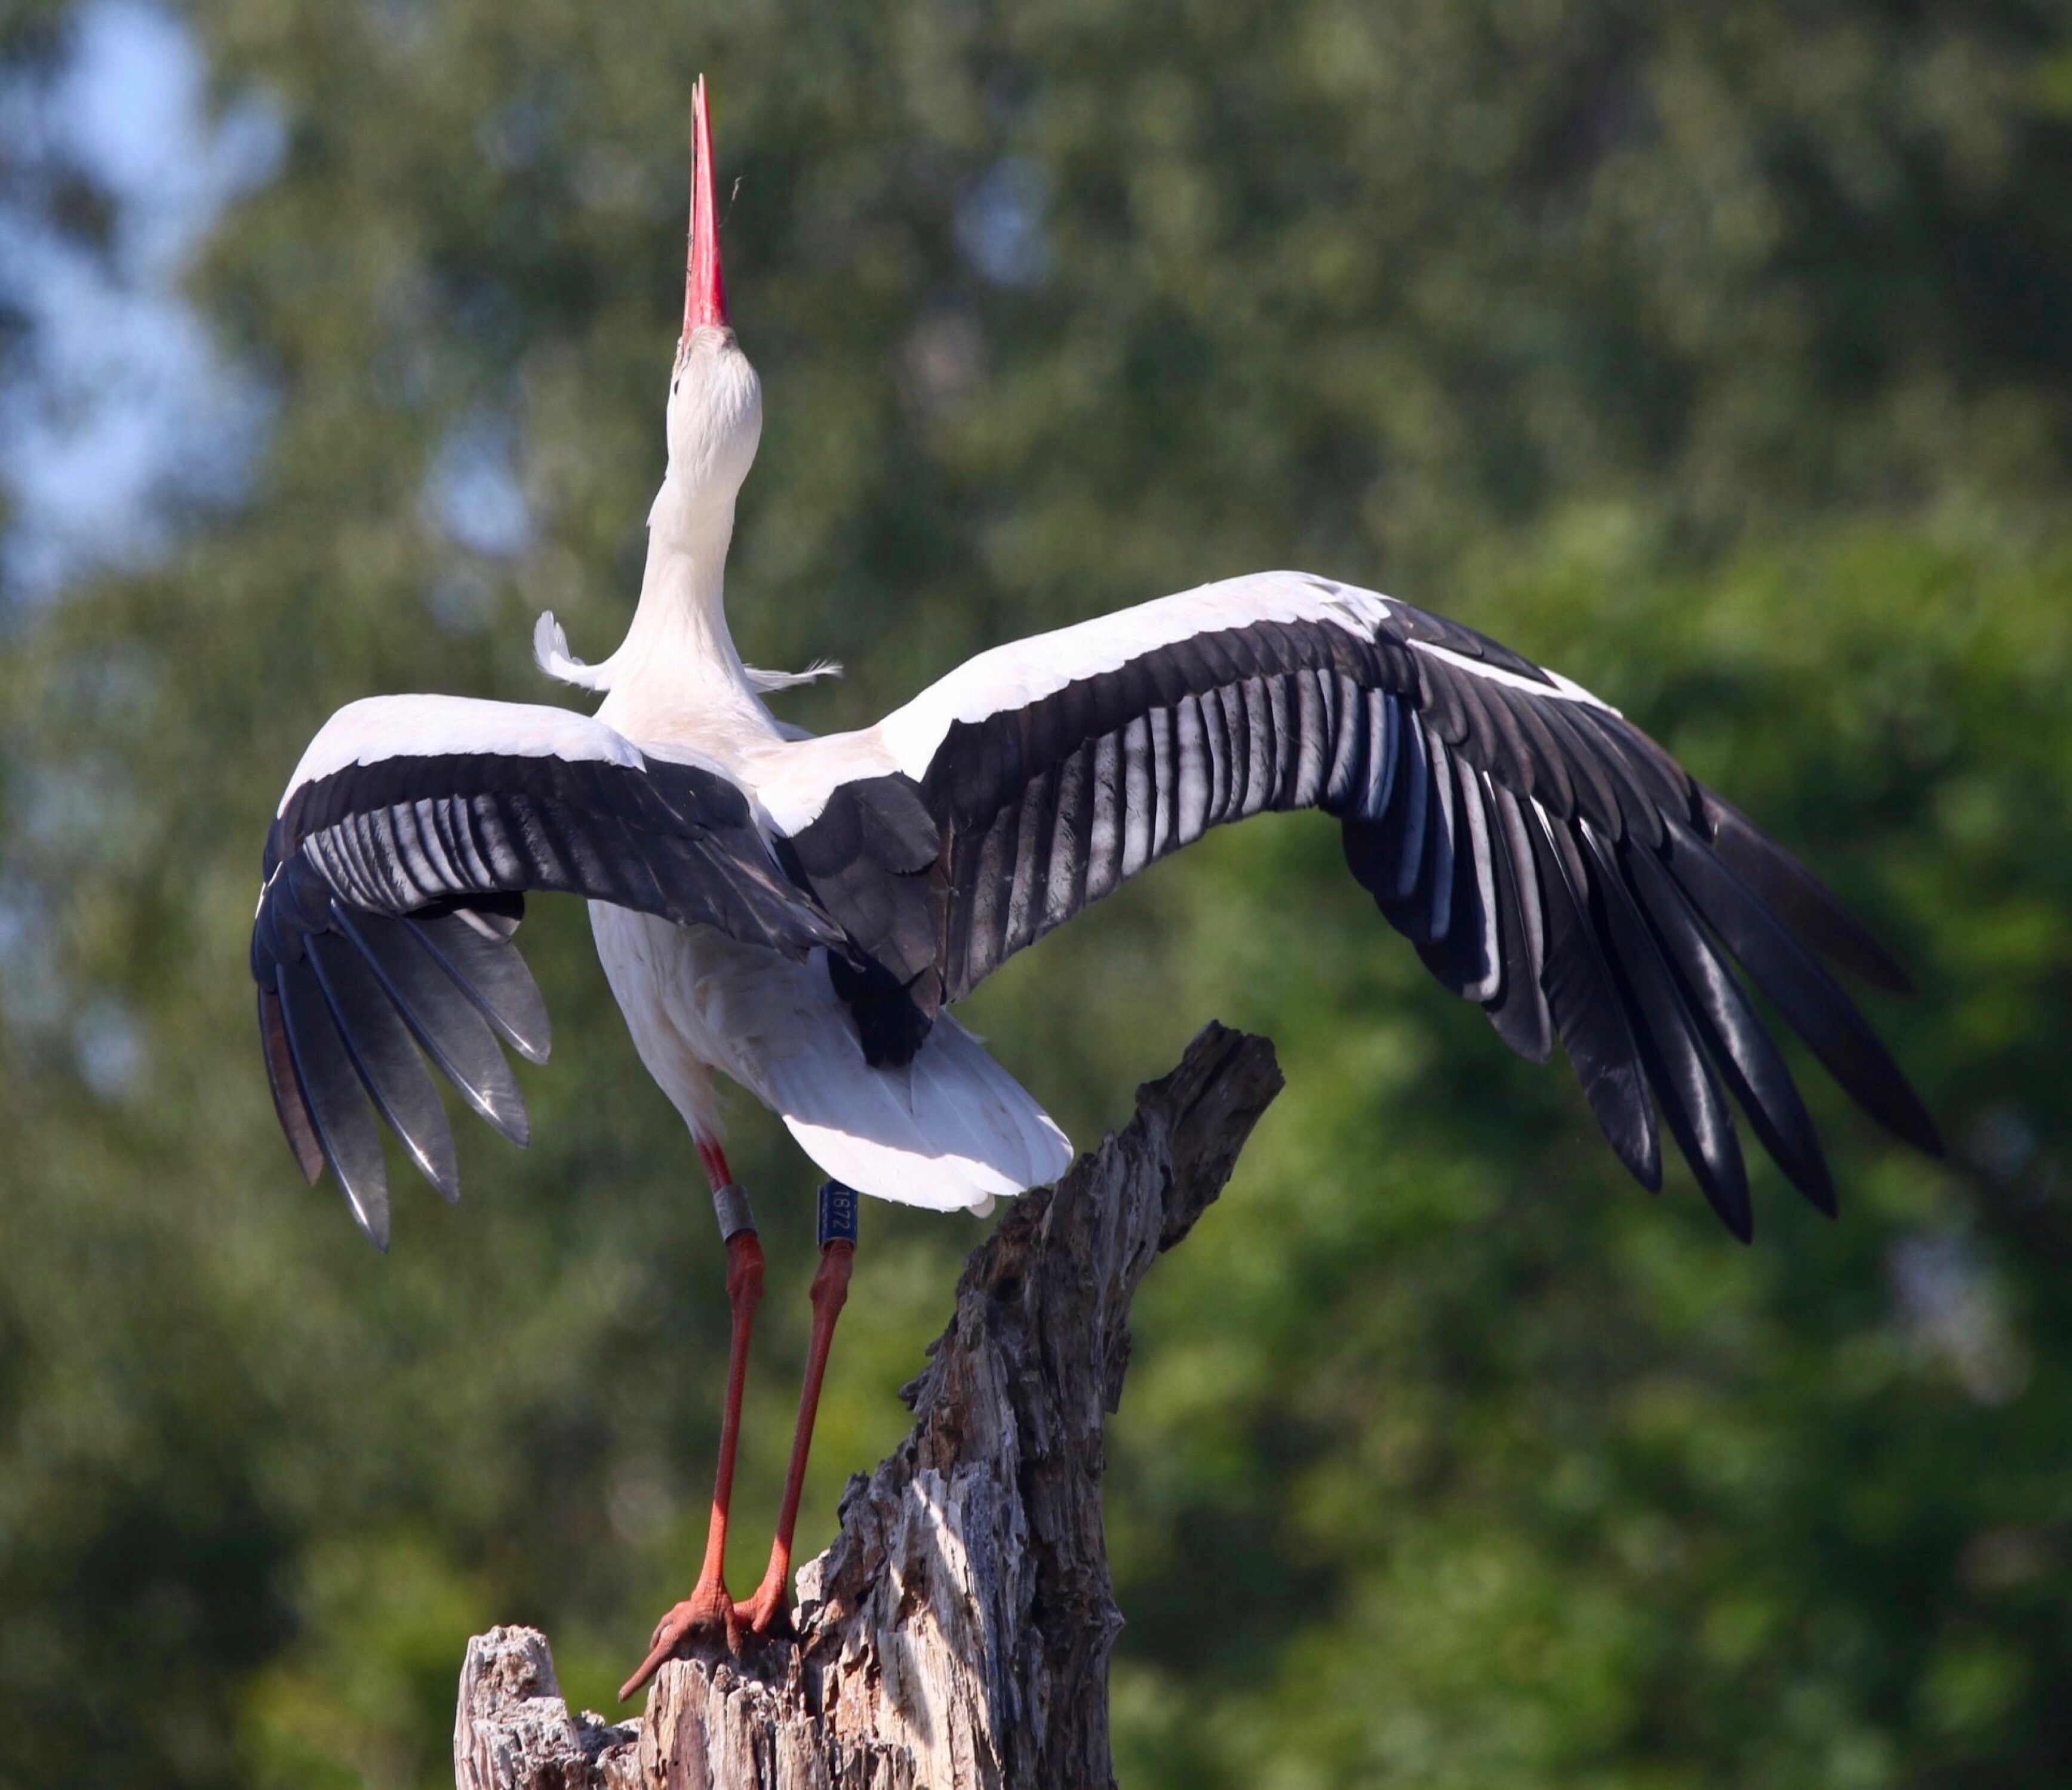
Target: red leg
[[772, 1600], [710, 1608]]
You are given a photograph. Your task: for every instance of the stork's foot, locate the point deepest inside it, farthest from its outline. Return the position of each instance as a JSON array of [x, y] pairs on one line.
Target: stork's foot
[[707, 1610], [769, 1612]]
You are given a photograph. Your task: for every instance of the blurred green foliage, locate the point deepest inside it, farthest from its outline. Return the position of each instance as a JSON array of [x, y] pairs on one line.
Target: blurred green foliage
[[1716, 355]]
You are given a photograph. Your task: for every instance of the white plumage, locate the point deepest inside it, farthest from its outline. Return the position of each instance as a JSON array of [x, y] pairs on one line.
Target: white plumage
[[950, 1129]]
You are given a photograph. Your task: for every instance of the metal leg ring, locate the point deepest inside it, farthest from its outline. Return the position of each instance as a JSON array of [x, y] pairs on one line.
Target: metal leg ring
[[730, 1207]]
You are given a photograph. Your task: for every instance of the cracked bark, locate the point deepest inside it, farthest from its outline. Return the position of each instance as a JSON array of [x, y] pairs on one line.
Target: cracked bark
[[957, 1633]]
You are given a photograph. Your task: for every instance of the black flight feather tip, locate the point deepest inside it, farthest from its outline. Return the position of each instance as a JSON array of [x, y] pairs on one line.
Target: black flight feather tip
[[1588, 1017], [1742, 1049], [379, 1042], [444, 1020], [1685, 1087], [344, 1122], [1798, 896], [290, 1102], [1810, 1000], [493, 976]]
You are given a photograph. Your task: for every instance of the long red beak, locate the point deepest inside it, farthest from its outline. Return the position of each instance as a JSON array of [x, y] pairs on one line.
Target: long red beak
[[704, 292]]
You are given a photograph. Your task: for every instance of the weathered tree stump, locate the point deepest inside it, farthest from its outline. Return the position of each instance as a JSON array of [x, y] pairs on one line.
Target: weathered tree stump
[[512, 1731], [957, 1633]]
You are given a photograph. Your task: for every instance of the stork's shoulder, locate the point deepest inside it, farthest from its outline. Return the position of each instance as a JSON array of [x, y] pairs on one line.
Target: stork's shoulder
[[791, 778]]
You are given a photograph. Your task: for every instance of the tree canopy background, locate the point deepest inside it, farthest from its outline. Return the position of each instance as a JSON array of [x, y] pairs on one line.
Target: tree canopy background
[[1716, 355]]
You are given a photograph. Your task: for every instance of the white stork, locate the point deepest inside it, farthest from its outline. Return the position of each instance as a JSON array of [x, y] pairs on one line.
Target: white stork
[[796, 913]]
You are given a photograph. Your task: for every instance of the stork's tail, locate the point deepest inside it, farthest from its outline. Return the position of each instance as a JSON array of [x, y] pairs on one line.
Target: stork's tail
[[952, 1129]]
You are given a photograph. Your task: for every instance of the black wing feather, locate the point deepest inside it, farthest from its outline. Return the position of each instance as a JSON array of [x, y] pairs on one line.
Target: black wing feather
[[290, 1102], [1746, 1054], [492, 975], [343, 1121], [1812, 1003], [1461, 952], [1685, 1087], [444, 1019], [378, 1041], [1799, 897], [1520, 1011], [1589, 1018]]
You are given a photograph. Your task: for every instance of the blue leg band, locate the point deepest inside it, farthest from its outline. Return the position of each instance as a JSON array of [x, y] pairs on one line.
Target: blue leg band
[[837, 1213]]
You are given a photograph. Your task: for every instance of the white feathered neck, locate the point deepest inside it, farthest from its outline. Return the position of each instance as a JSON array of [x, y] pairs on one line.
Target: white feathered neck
[[679, 647]]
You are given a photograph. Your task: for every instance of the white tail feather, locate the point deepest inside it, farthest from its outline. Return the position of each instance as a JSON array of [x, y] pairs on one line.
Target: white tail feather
[[952, 1130]]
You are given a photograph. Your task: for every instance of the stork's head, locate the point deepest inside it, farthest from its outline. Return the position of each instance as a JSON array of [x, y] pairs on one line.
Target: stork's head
[[715, 401]]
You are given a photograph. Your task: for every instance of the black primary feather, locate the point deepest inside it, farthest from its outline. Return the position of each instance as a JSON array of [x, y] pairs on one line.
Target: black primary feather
[[1589, 1018], [379, 1042], [1798, 896], [443, 1018], [345, 1123], [1685, 1087], [1746, 1055], [290, 1102], [493, 976], [1811, 1000], [1519, 1012]]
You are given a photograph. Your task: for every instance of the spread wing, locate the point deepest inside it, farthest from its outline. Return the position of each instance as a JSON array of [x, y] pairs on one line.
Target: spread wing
[[1545, 858], [396, 872]]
